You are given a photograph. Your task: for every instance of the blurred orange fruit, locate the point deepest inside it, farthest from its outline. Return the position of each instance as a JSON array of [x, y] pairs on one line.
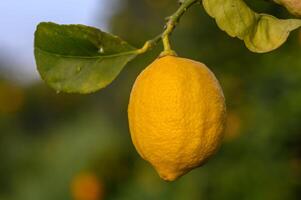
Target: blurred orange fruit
[[86, 186], [233, 126]]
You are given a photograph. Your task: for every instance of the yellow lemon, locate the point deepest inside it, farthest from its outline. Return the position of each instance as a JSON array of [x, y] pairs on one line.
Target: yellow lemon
[[176, 115]]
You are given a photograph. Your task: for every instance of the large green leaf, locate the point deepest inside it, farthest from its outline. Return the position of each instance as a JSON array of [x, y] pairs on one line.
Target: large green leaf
[[260, 32], [78, 58]]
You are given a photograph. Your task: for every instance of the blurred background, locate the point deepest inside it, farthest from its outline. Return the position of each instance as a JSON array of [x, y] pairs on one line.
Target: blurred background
[[78, 147]]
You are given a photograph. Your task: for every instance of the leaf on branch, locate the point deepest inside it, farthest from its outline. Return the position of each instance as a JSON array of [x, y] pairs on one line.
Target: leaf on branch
[[78, 58], [293, 6], [260, 32]]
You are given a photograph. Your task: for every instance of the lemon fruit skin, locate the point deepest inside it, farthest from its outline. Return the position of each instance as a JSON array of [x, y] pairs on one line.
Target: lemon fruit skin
[[176, 115]]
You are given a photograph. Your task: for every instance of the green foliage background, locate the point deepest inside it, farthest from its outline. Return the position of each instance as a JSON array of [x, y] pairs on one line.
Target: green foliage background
[[47, 138]]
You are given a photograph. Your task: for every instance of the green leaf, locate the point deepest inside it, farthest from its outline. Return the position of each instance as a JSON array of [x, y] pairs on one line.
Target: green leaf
[[260, 32], [78, 58]]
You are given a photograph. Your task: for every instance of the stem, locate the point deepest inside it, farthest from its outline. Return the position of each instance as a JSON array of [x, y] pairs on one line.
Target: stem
[[149, 44], [173, 20], [170, 26]]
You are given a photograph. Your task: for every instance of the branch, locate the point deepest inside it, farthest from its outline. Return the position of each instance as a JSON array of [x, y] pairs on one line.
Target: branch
[[173, 20]]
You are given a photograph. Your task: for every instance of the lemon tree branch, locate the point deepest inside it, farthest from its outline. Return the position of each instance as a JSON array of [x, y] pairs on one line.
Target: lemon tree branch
[[172, 21]]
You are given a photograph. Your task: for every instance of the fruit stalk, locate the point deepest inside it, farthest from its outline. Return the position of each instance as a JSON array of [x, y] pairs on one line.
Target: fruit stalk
[[172, 21]]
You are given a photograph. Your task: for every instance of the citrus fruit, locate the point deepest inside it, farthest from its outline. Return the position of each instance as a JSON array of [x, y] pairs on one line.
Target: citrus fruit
[[176, 115], [86, 186]]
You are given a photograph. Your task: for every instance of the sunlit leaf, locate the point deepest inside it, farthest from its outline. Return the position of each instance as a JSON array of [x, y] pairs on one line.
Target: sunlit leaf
[[293, 6], [78, 58], [260, 32]]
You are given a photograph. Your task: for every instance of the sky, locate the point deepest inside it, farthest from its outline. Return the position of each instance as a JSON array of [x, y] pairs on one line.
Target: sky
[[18, 20]]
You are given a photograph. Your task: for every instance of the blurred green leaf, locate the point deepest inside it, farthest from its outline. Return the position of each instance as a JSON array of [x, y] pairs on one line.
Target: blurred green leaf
[[78, 58], [260, 32]]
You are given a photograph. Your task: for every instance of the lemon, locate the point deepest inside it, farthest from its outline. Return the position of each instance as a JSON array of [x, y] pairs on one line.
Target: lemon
[[176, 115]]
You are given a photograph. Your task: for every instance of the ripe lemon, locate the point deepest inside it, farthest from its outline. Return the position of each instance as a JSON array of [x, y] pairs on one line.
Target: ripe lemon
[[176, 115]]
